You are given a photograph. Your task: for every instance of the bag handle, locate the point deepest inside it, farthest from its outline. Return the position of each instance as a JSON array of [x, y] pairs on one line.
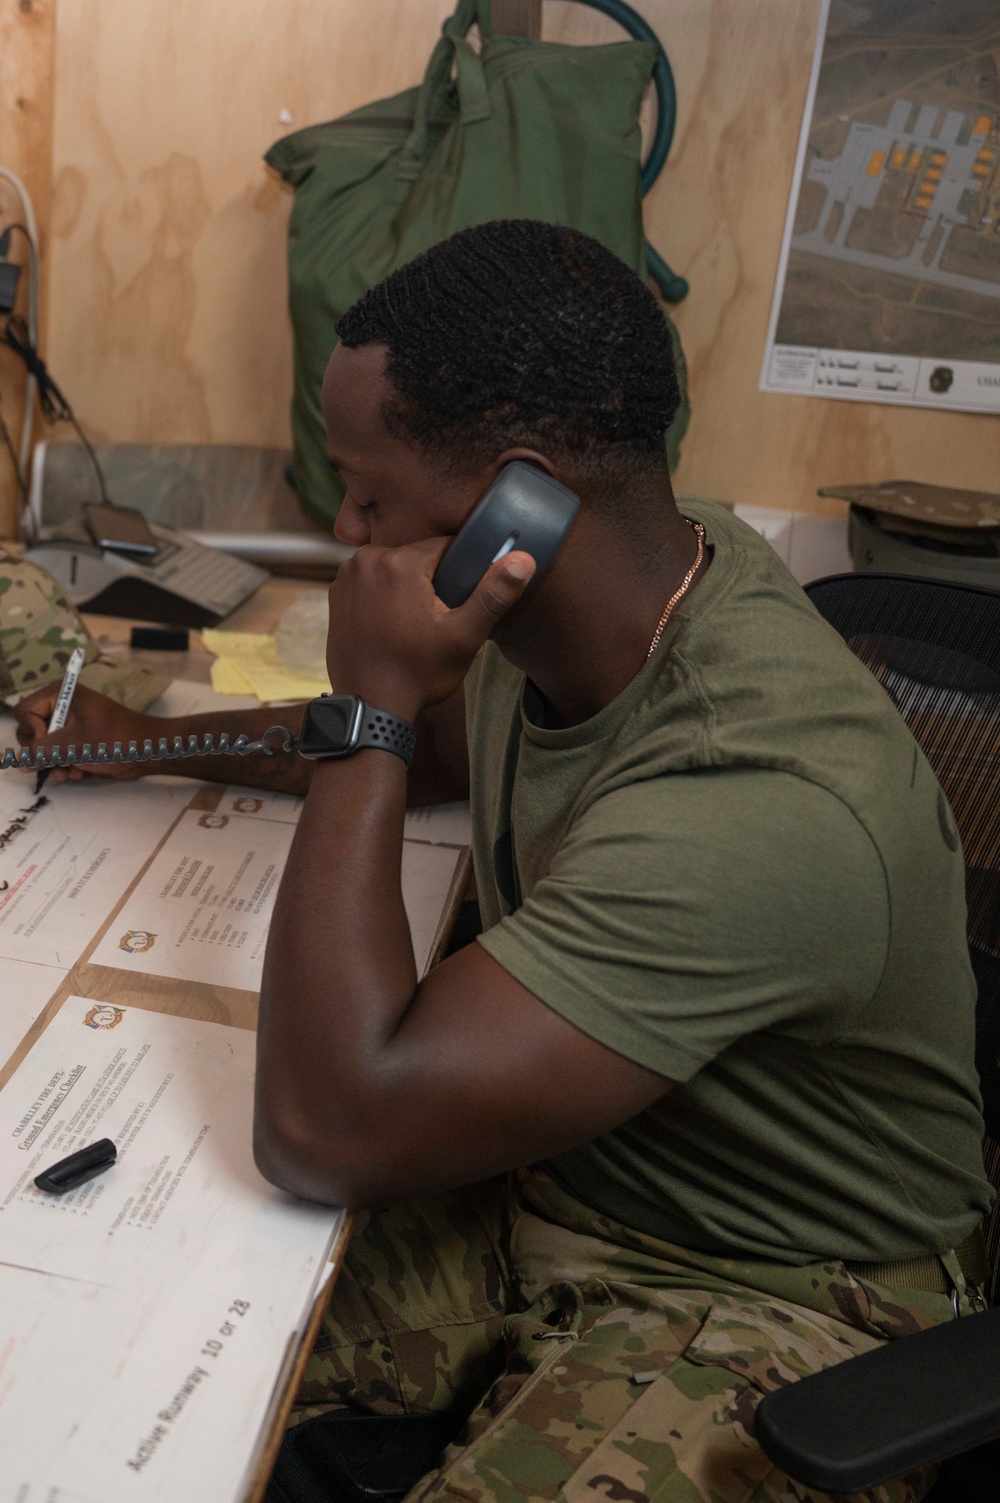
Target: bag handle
[[469, 13], [474, 103]]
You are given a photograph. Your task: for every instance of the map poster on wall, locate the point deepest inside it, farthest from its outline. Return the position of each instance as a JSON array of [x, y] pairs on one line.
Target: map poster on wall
[[889, 281]]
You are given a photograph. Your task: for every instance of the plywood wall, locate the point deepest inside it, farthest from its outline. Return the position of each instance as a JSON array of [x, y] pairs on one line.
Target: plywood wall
[[27, 30], [168, 286], [168, 271]]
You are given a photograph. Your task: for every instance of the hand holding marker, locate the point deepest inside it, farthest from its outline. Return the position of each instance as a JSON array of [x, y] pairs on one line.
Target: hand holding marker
[[60, 714]]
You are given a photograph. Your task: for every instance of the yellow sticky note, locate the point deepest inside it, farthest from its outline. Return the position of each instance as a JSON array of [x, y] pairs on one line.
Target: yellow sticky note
[[237, 644], [247, 663], [272, 685], [228, 678]]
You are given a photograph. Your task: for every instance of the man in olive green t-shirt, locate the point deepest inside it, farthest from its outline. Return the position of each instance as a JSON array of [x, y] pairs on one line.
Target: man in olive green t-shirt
[[722, 1006], [743, 874]]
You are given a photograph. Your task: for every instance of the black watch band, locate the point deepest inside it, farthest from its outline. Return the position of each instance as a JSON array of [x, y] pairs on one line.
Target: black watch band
[[338, 725], [388, 732]]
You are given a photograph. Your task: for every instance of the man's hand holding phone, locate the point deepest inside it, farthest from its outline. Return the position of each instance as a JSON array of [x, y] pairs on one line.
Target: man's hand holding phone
[[394, 643]]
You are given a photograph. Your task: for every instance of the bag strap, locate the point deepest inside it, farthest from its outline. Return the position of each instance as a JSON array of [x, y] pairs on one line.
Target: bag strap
[[470, 13], [473, 98]]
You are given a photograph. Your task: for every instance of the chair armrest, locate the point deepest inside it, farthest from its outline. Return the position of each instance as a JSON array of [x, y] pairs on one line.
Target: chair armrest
[[905, 1405]]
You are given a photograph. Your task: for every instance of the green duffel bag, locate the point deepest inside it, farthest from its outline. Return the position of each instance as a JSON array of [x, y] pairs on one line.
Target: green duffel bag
[[520, 130]]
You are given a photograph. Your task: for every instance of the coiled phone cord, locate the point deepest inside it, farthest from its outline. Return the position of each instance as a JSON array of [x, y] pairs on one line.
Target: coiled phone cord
[[162, 750]]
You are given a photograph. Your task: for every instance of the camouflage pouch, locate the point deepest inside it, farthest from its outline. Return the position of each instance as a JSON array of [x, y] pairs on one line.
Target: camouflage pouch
[[39, 629]]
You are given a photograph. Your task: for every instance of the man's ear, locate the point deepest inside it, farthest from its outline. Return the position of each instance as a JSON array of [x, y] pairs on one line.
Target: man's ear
[[527, 456]]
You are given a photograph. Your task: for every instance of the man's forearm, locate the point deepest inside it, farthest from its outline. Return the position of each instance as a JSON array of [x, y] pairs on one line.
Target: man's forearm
[[284, 772], [339, 973]]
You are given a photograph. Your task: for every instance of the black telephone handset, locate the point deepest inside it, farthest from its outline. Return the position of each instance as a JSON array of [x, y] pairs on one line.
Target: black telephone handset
[[524, 509]]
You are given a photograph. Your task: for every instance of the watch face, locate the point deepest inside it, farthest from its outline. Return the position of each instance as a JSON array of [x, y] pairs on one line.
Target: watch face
[[331, 725]]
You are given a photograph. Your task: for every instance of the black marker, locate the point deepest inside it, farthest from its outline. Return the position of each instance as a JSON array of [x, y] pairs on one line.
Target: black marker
[[75, 1170]]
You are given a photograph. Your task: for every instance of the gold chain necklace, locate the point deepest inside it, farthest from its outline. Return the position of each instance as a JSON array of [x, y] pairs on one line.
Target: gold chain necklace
[[682, 588]]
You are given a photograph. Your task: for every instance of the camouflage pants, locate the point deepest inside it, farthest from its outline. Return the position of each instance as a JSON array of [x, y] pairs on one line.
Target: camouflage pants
[[597, 1362]]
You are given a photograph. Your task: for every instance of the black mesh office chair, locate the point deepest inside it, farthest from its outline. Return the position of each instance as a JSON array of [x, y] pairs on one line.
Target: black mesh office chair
[[935, 648]]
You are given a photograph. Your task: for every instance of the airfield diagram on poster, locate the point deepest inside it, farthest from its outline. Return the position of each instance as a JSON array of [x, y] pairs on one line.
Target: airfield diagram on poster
[[889, 282]]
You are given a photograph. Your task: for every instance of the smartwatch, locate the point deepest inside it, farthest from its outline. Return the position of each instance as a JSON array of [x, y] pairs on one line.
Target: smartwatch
[[338, 725]]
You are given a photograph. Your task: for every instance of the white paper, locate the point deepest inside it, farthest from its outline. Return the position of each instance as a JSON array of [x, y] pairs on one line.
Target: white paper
[[67, 857], [261, 803], [185, 697], [24, 991], [888, 287], [203, 908], [146, 1315], [441, 824]]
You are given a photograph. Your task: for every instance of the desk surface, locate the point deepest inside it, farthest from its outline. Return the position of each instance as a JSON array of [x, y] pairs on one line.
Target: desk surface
[[261, 613], [191, 999], [210, 1004]]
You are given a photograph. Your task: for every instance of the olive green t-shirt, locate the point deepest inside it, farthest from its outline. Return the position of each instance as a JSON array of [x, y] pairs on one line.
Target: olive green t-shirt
[[742, 874]]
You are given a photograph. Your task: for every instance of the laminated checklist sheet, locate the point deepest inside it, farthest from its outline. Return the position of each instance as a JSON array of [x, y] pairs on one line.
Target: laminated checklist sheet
[[24, 991], [147, 1315], [150, 1319], [67, 856], [202, 910]]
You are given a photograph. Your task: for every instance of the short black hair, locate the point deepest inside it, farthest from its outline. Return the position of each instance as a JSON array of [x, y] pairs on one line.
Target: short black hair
[[520, 332]]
